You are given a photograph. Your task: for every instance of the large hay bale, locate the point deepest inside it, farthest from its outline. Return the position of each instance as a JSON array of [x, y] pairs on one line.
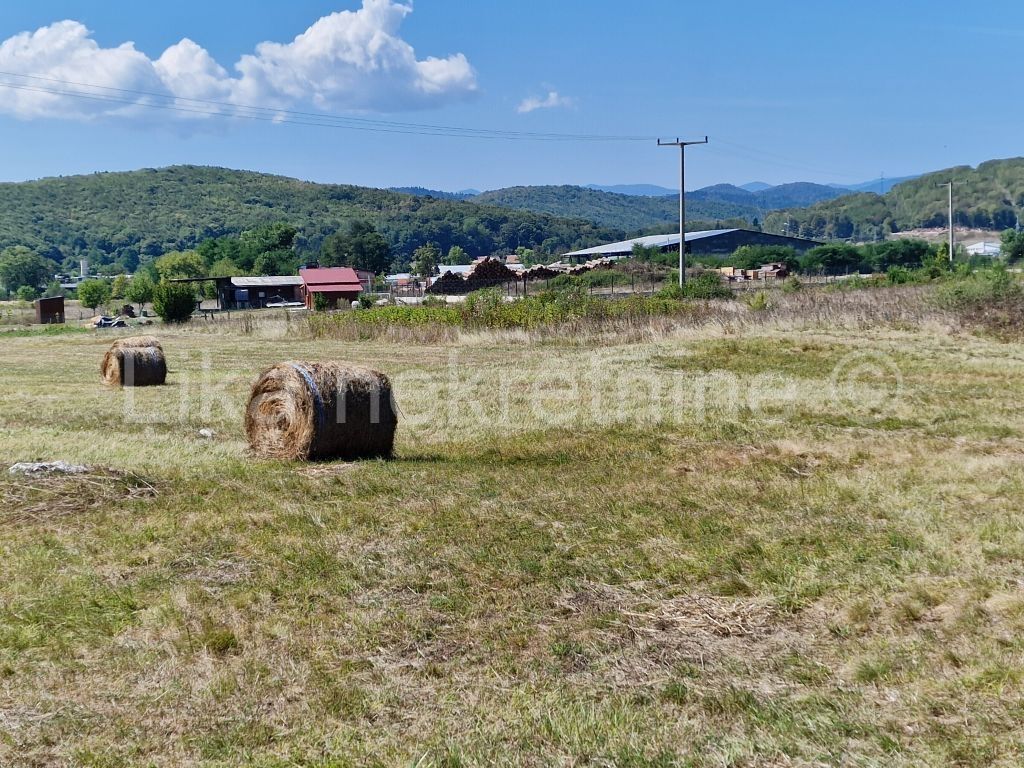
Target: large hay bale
[[135, 362], [316, 411], [137, 341]]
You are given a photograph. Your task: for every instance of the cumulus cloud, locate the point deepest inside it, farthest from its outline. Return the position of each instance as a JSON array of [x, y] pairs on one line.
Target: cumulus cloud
[[350, 60], [553, 100]]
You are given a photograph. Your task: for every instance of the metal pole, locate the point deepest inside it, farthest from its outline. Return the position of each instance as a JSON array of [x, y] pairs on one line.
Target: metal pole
[[682, 215], [952, 243], [951, 236], [682, 200]]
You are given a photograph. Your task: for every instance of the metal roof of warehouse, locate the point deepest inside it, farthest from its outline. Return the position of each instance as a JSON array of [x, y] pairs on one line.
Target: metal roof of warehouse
[[266, 282], [650, 241]]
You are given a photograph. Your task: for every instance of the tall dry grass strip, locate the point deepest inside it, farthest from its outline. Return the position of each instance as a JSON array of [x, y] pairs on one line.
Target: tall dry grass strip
[[134, 362], [317, 411]]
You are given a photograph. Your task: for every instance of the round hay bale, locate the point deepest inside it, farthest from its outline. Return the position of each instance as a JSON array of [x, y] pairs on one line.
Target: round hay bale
[[137, 341], [318, 411], [134, 366]]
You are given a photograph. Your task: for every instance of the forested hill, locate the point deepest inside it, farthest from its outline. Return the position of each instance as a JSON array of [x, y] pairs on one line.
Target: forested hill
[[990, 196], [122, 218], [635, 214]]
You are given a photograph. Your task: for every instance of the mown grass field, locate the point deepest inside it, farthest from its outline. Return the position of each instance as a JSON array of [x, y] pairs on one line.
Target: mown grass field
[[758, 546]]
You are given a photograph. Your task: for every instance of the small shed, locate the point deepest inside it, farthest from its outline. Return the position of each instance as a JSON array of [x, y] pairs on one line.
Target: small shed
[[258, 292], [335, 284], [50, 310]]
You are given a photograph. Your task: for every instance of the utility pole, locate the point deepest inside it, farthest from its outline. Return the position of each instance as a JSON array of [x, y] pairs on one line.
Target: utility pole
[[950, 184], [682, 199]]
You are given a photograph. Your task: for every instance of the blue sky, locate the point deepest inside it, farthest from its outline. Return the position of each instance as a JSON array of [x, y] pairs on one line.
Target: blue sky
[[816, 91]]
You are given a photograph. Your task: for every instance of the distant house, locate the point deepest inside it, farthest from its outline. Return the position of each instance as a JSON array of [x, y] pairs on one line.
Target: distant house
[[336, 284], [399, 278], [990, 249]]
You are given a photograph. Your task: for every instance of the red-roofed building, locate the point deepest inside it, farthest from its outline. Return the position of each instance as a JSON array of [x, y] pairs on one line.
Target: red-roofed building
[[336, 284]]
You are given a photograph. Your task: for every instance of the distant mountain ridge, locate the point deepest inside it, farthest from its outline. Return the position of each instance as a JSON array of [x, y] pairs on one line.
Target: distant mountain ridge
[[636, 213], [637, 190]]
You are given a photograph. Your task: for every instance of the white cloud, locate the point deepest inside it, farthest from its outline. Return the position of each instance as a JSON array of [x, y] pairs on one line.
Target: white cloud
[[351, 60], [553, 100]]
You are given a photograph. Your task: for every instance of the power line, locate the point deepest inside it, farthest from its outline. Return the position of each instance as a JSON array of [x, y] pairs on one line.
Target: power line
[[293, 117], [771, 158]]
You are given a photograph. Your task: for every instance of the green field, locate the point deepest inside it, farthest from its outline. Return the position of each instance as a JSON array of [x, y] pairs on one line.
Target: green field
[[727, 542]]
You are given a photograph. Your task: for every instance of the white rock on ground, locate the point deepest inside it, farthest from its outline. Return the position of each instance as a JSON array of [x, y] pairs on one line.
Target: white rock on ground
[[47, 468]]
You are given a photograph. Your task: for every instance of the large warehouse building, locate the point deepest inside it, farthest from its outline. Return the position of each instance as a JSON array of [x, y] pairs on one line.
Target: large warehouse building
[[718, 242]]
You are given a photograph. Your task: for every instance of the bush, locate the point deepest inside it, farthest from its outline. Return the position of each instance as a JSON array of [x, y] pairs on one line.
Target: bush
[[707, 285], [174, 302], [758, 301], [987, 286], [320, 302], [601, 278], [365, 300], [792, 284], [27, 293], [899, 276]]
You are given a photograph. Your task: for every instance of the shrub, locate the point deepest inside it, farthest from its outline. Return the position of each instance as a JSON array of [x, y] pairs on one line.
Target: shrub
[[758, 301], [27, 293], [365, 300], [792, 284], [320, 302], [987, 286], [174, 302], [601, 278], [707, 285]]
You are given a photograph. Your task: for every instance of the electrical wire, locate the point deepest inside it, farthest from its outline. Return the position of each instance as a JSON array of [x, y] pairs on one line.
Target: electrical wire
[[279, 115]]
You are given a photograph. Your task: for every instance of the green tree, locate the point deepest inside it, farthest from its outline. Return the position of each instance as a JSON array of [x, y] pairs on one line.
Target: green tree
[[1013, 246], [651, 254], [274, 263], [139, 290], [93, 293], [118, 287], [54, 288], [27, 293], [20, 266], [456, 255], [174, 302], [177, 265], [425, 259], [360, 247], [834, 258], [274, 242]]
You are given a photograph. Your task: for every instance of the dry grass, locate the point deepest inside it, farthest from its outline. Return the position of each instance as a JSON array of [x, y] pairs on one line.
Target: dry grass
[[665, 549]]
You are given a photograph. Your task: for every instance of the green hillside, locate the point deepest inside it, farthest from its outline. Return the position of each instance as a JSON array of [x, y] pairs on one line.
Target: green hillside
[[990, 196], [629, 212], [128, 218]]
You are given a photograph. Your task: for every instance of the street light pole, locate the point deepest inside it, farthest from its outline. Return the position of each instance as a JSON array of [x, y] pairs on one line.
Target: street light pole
[[682, 199]]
